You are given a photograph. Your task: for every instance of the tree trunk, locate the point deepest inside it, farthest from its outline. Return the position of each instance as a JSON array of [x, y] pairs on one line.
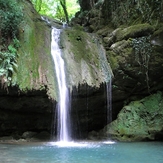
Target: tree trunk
[[63, 4]]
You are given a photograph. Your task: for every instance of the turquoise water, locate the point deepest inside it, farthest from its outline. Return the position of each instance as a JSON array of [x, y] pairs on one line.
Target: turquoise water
[[139, 152]]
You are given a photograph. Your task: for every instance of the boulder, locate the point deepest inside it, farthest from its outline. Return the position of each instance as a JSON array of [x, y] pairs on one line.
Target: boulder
[[133, 31], [140, 120]]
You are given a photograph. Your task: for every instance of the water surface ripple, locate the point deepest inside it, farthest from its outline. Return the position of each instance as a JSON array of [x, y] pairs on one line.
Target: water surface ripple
[[84, 152]]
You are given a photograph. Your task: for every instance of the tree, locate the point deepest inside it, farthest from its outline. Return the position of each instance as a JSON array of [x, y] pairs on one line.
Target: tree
[[58, 9], [63, 4], [38, 4]]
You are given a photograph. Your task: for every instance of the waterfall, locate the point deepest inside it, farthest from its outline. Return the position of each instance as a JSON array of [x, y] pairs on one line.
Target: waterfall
[[107, 72], [109, 100], [63, 127]]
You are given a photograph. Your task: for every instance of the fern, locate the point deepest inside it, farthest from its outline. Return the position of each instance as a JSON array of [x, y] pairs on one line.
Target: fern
[[8, 64]]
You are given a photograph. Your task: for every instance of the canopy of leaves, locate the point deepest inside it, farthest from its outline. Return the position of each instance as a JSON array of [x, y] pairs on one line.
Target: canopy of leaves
[[54, 9]]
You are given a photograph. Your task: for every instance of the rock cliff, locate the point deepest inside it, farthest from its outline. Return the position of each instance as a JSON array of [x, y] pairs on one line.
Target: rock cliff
[[29, 103], [132, 36]]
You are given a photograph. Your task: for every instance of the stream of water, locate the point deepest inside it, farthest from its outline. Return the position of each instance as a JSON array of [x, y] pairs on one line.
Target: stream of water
[[109, 100], [63, 128]]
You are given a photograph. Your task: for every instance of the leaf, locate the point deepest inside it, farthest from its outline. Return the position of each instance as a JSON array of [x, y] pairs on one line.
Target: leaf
[[2, 70], [14, 64], [9, 78], [12, 49], [11, 69]]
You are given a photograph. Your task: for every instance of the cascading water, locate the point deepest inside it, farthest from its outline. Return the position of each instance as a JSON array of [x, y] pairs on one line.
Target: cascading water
[[63, 128], [107, 72], [109, 100]]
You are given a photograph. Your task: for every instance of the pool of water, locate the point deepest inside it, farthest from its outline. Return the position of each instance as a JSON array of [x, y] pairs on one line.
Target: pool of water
[[85, 152]]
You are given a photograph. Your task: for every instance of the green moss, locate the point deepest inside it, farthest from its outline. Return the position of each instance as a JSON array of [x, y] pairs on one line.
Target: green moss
[[35, 65], [28, 60], [151, 102], [139, 119], [82, 45], [134, 31], [84, 57], [159, 31], [128, 51], [113, 60]]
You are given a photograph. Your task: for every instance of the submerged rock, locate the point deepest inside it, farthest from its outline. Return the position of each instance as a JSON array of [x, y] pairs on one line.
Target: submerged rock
[[28, 134]]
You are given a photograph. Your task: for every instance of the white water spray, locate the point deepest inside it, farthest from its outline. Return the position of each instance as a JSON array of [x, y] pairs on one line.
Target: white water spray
[[63, 102]]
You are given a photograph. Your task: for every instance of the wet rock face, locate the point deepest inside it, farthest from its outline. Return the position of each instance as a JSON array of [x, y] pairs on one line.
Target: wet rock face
[[33, 112], [88, 110], [20, 112]]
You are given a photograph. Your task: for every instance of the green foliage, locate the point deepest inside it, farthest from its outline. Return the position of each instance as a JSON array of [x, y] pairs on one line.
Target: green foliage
[[10, 18], [54, 8], [8, 62]]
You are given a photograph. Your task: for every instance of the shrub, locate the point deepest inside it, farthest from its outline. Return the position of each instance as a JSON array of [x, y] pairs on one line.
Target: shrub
[[8, 62], [10, 17]]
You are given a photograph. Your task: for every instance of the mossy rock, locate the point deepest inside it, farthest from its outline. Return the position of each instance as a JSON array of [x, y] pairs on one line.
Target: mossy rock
[[119, 52], [119, 46], [112, 59], [82, 53], [157, 38], [104, 31], [35, 67], [134, 31], [140, 120]]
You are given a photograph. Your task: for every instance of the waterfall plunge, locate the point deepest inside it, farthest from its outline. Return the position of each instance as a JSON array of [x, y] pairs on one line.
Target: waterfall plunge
[[63, 128]]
